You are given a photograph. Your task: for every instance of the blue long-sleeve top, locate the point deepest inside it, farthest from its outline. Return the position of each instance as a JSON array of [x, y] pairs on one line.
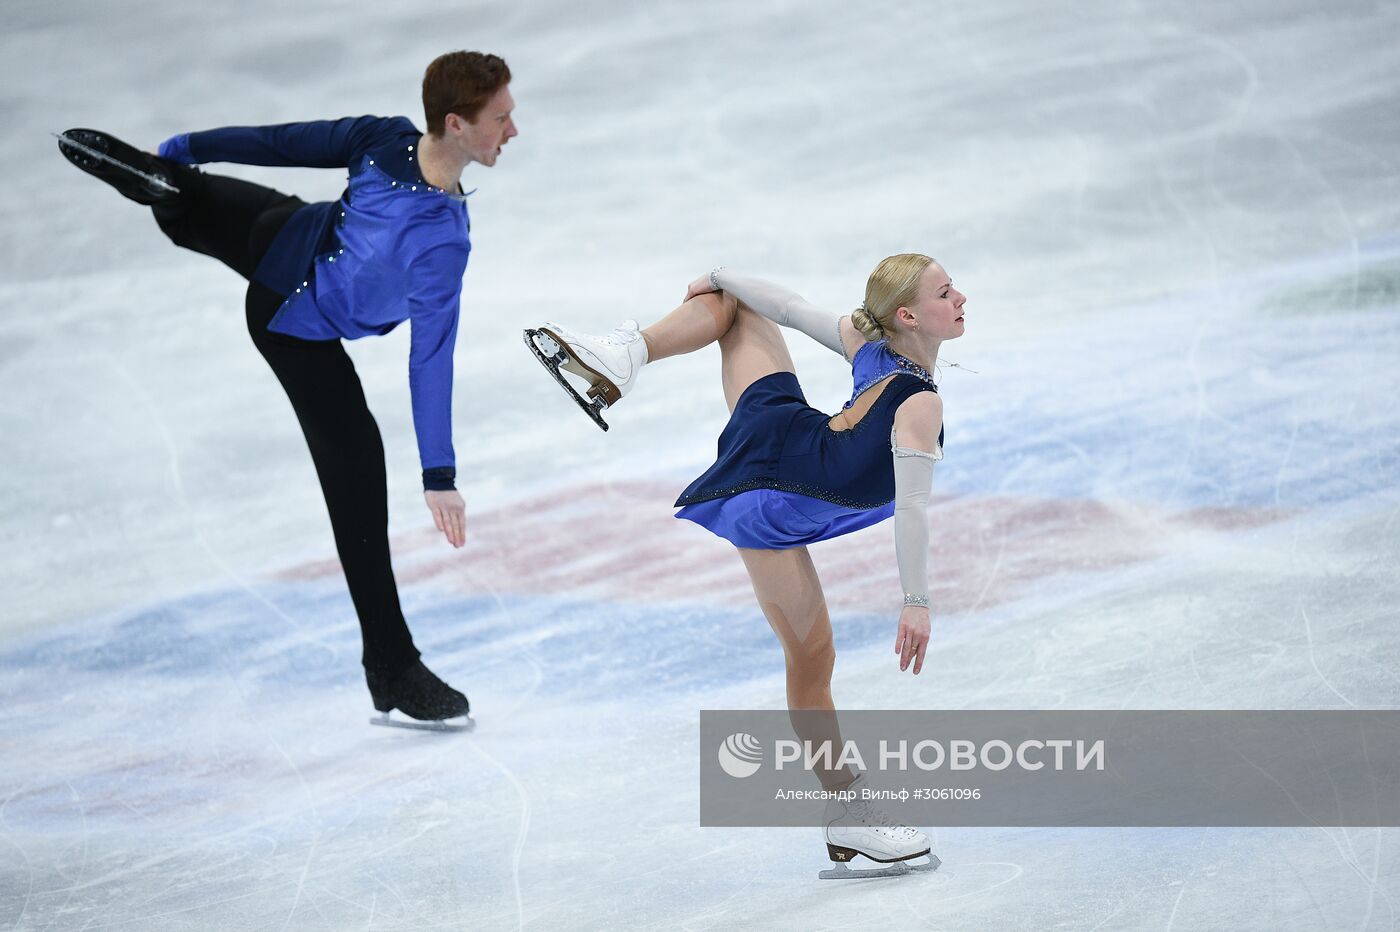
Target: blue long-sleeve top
[[392, 248]]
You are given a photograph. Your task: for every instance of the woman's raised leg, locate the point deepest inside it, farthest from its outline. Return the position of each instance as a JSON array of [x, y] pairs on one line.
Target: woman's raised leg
[[751, 346]]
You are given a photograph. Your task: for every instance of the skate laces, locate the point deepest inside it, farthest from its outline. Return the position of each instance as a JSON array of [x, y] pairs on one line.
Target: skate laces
[[622, 334], [864, 812]]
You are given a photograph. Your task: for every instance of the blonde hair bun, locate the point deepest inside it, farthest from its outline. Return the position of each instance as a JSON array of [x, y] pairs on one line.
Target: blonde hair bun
[[868, 326]]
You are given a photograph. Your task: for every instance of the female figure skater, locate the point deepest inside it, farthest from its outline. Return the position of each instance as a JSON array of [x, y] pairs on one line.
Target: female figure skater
[[788, 475], [392, 248]]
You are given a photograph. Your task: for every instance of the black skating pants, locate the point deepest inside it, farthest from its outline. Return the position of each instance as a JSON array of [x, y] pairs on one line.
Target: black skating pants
[[235, 221]]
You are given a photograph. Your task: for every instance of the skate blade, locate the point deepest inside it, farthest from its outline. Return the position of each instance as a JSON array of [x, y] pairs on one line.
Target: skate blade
[[552, 356], [897, 869], [399, 720], [156, 182], [601, 389]]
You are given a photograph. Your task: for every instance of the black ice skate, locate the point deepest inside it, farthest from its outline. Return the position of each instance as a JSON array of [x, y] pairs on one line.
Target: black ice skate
[[140, 176], [421, 700]]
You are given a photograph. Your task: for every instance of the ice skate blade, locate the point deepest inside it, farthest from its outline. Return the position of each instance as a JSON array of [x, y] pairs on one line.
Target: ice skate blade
[[553, 357], [388, 720], [601, 390], [157, 183], [897, 869]]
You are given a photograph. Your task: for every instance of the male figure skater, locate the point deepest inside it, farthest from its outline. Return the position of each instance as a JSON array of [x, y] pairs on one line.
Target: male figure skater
[[392, 248]]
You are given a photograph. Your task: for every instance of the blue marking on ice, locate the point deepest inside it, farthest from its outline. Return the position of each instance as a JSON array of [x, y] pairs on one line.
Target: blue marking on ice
[[586, 647]]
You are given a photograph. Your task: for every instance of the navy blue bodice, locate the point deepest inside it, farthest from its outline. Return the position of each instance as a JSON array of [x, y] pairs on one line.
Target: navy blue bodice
[[775, 440]]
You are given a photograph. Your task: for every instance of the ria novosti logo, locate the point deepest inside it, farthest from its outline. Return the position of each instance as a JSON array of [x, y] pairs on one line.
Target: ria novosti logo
[[740, 755]]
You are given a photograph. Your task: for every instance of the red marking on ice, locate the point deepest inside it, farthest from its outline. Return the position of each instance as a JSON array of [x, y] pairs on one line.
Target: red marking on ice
[[620, 542]]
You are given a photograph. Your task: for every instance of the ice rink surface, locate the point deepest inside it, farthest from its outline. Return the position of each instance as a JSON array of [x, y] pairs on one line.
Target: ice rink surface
[[1171, 483]]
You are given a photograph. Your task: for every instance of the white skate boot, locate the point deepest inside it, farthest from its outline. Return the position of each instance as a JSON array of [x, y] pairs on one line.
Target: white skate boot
[[609, 363], [856, 827]]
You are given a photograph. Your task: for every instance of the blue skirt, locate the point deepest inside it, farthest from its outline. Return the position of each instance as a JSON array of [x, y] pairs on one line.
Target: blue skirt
[[770, 519], [776, 482]]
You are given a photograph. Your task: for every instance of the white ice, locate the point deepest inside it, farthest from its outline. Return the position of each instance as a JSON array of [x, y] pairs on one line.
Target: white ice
[[1171, 483]]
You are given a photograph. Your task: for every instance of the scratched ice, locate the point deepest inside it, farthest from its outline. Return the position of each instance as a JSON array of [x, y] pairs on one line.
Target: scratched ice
[[1171, 483]]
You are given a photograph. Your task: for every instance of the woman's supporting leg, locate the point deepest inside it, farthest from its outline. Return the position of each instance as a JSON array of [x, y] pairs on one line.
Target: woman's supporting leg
[[345, 444], [787, 588], [751, 346]]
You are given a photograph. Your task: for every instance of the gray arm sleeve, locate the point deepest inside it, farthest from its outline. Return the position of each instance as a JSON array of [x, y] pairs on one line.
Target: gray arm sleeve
[[785, 308], [913, 480]]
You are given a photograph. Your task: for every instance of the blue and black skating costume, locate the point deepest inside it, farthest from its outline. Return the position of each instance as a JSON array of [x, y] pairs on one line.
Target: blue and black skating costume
[[391, 248], [785, 478]]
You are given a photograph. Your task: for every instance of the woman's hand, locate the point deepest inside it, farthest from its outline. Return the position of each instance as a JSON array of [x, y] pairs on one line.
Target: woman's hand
[[698, 287], [449, 514], [912, 641]]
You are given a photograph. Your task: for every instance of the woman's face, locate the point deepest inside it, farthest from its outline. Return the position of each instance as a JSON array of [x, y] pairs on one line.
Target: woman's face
[[938, 308]]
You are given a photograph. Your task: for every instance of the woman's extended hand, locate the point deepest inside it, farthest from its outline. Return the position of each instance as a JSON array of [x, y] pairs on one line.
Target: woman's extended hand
[[698, 287], [912, 641], [449, 514]]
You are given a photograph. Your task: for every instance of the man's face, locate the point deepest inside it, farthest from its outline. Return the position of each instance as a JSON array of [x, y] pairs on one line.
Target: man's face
[[493, 127]]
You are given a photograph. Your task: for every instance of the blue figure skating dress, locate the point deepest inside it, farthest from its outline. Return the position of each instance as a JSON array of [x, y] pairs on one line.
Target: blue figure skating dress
[[784, 478]]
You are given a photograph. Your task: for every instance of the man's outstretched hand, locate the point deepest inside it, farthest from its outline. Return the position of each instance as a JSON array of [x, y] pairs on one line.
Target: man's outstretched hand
[[449, 514]]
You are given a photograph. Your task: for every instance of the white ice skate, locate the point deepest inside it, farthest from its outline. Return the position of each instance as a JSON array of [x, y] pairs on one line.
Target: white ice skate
[[608, 363], [856, 827]]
